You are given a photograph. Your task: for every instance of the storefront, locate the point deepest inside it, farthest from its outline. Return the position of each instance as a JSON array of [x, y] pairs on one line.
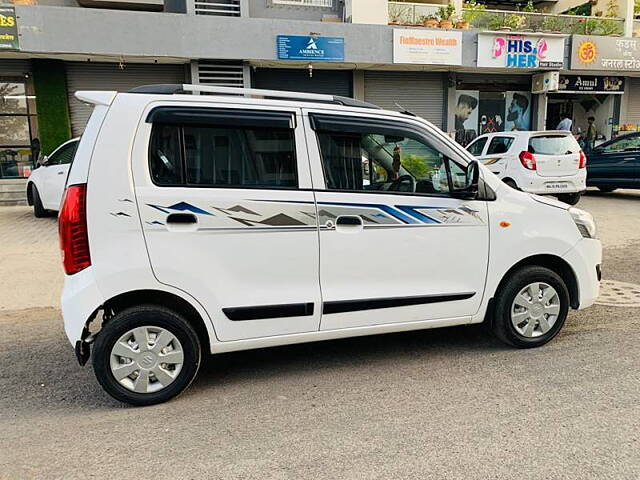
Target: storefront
[[19, 142], [489, 103], [583, 97], [330, 82]]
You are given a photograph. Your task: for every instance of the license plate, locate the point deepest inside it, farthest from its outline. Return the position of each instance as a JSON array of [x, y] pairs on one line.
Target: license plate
[[557, 186]]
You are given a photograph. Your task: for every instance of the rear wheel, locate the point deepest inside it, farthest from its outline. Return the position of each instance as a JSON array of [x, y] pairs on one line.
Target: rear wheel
[[146, 355], [38, 209], [570, 198], [607, 189], [530, 308]]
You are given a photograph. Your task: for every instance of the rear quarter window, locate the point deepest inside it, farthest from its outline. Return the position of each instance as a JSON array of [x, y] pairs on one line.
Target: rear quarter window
[[553, 145]]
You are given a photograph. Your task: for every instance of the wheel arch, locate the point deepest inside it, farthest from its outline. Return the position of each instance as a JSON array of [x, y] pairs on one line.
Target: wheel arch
[[553, 263], [164, 299]]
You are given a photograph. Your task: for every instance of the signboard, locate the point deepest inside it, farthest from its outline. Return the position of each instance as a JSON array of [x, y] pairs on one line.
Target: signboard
[[605, 53], [520, 51], [590, 84], [8, 29], [430, 47], [310, 47], [545, 82]]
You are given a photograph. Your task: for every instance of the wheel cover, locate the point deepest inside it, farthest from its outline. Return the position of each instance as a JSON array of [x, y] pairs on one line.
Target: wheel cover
[[146, 359], [535, 310]]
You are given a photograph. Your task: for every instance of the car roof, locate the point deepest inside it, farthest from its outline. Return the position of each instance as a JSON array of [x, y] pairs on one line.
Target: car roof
[[524, 133]]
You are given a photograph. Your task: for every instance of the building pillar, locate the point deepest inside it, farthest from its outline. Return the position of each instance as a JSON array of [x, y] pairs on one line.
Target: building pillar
[[358, 84], [50, 85], [540, 122], [627, 7]]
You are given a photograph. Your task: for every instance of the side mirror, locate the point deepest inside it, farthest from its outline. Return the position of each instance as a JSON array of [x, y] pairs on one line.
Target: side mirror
[[42, 162], [470, 190]]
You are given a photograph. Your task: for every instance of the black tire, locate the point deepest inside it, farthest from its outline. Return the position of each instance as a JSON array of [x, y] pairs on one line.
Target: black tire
[[501, 319], [153, 316], [38, 210], [570, 198], [511, 183], [607, 189]]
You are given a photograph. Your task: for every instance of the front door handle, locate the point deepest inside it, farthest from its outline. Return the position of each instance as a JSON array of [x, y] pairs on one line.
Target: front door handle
[[182, 218], [60, 173]]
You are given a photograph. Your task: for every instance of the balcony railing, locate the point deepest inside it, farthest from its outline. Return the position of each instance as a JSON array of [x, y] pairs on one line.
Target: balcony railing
[[405, 13]]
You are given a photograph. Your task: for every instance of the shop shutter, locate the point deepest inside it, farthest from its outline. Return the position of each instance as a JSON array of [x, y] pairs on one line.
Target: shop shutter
[[108, 76], [14, 68], [330, 82], [632, 92], [419, 92]]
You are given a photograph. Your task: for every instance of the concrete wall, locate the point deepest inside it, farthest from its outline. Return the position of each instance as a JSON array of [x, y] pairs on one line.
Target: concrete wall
[[269, 9]]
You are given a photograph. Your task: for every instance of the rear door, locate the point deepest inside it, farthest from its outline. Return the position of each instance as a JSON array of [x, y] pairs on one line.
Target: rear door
[[615, 163], [556, 154], [497, 154], [395, 246], [228, 214], [57, 168]]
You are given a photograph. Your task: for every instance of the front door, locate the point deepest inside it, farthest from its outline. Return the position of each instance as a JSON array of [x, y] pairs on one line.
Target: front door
[[394, 245], [615, 163], [229, 216]]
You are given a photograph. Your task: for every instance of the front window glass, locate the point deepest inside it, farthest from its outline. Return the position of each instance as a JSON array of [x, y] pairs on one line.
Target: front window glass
[[386, 163], [476, 147]]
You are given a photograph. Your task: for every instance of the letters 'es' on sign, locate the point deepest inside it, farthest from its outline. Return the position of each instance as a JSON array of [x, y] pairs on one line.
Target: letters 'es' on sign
[[8, 29]]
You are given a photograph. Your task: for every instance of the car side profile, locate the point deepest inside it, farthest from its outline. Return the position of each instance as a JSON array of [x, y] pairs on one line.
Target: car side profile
[[242, 219], [545, 163], [46, 183], [615, 164]]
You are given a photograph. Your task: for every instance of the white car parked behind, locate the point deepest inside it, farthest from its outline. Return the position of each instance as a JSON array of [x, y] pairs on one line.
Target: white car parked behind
[[549, 162], [46, 183]]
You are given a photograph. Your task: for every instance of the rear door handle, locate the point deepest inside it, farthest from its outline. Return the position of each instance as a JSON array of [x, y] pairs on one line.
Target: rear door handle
[[60, 173], [349, 220], [182, 218]]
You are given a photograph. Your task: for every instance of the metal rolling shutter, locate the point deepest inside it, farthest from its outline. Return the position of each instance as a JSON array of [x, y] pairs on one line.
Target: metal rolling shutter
[[330, 82], [632, 92], [419, 92], [14, 68], [108, 76]]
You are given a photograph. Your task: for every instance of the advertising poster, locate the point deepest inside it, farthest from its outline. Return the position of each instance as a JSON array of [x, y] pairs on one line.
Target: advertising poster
[[465, 116], [310, 47], [517, 111], [492, 110], [429, 47]]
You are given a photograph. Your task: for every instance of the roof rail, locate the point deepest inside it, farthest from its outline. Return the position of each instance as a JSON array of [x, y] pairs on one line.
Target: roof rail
[[171, 89]]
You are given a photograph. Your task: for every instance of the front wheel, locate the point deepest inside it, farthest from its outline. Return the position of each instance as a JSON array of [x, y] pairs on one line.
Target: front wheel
[[146, 355], [38, 209], [530, 308], [570, 198]]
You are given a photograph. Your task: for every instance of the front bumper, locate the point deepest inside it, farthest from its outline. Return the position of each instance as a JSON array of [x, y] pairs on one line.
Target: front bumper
[[586, 259]]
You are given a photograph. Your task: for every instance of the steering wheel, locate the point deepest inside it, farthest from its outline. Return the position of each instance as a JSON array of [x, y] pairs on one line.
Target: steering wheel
[[397, 185]]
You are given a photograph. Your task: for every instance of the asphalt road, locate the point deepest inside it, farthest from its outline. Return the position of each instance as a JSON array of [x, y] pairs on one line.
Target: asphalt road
[[450, 403]]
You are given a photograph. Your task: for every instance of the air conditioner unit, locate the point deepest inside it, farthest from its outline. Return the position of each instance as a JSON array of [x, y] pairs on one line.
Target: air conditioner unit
[[545, 82]]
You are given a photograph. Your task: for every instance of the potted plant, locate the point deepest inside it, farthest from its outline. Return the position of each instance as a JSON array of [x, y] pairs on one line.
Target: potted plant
[[446, 13], [430, 21], [462, 24]]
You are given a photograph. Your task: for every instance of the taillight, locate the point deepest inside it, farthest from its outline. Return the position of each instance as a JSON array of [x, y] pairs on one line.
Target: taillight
[[72, 227], [528, 160], [583, 160]]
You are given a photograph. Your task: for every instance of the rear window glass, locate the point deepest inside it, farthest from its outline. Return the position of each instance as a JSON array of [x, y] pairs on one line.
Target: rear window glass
[[499, 145], [553, 145]]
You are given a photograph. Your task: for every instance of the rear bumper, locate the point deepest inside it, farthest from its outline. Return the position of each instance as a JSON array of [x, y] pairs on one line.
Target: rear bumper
[[586, 259], [80, 299], [534, 183]]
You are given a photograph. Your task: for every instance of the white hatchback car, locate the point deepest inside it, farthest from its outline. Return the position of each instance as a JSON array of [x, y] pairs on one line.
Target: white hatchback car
[[549, 162], [46, 183], [199, 224]]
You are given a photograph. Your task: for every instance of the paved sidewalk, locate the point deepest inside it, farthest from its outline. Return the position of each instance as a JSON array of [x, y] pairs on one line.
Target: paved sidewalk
[[30, 260]]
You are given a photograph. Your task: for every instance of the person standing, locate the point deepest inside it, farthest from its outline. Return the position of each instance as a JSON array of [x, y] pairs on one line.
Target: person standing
[[565, 123], [590, 135]]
